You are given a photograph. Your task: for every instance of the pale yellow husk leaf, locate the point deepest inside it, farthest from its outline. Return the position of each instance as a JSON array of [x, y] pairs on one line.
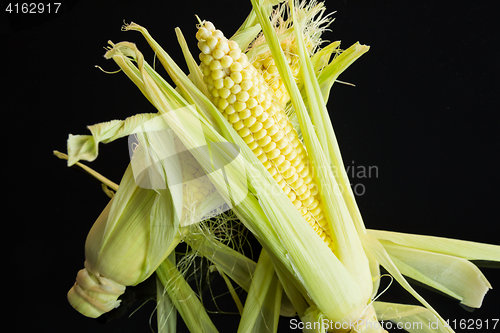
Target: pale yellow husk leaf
[[453, 247], [262, 306], [411, 318], [454, 276], [166, 313], [184, 299]]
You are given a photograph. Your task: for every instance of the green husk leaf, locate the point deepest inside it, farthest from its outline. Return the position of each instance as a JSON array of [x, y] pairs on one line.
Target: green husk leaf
[[293, 301], [348, 247], [318, 90], [154, 146], [314, 149], [232, 291], [164, 229], [249, 30], [166, 313], [454, 276], [185, 299], [453, 247], [323, 125], [132, 226], [237, 266], [183, 83], [264, 47], [321, 58], [245, 36], [196, 74], [86, 147], [337, 66], [262, 306], [131, 205], [414, 319], [376, 249]]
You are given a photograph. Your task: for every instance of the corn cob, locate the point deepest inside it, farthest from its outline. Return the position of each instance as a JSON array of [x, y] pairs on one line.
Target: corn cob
[[248, 104], [265, 65]]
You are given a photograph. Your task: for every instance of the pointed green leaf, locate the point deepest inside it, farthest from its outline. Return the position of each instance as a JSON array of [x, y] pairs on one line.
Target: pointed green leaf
[[376, 249], [166, 313], [86, 147], [262, 306], [454, 247], [185, 299], [337, 66], [237, 266], [411, 318], [245, 36], [451, 275]]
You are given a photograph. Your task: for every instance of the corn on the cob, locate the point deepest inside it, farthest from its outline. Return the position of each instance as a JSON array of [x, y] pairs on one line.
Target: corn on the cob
[[265, 65], [248, 103]]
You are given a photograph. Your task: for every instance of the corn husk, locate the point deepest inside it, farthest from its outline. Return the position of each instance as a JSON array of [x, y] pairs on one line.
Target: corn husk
[[131, 237], [262, 306], [184, 299], [297, 258], [317, 283], [441, 263], [411, 318], [166, 312]]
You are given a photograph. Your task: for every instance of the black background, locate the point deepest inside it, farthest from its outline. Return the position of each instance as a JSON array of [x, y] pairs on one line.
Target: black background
[[423, 112]]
